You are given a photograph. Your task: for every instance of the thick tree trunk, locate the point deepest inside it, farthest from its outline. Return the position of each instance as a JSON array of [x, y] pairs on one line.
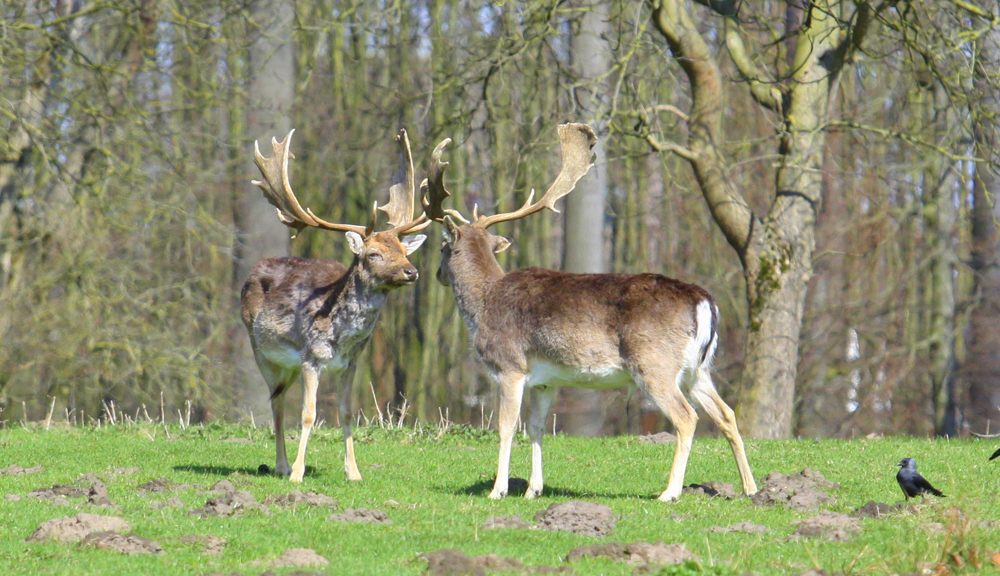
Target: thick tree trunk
[[981, 370], [581, 411], [259, 233], [776, 250]]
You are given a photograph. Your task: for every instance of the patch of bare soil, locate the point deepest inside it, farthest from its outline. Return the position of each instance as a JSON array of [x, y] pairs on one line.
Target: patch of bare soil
[[87, 486], [97, 495], [164, 485], [658, 438], [640, 554], [211, 545], [75, 528], [361, 515], [504, 522], [222, 487], [299, 557], [296, 497], [748, 527], [873, 509], [712, 489], [129, 544], [832, 526], [451, 562], [803, 491], [228, 504], [578, 517], [15, 470]]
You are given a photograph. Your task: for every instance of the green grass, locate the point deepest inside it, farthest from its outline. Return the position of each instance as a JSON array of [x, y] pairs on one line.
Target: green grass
[[433, 485]]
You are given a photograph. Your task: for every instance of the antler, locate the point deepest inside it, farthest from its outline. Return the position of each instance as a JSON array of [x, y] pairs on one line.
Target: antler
[[432, 189], [576, 142], [401, 200], [278, 192]]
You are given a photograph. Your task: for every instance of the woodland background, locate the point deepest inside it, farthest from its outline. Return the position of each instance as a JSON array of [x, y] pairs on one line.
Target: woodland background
[[128, 225]]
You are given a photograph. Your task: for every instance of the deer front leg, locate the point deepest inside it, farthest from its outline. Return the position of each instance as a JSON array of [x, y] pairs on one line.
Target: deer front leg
[[310, 384], [511, 392], [350, 464], [541, 400]]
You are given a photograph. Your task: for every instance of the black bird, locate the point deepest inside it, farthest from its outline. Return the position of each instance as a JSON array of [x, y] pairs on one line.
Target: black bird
[[995, 454], [912, 483]]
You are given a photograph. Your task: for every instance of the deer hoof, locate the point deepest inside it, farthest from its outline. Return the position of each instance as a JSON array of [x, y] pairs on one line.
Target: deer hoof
[[497, 495], [531, 494]]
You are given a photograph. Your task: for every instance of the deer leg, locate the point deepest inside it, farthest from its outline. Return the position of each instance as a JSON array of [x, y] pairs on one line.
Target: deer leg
[[281, 467], [310, 384], [511, 392], [705, 394], [541, 400], [350, 464], [664, 387]]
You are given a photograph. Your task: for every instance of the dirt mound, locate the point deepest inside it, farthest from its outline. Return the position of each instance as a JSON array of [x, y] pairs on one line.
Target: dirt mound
[[361, 515], [803, 491], [873, 509], [98, 495], [635, 554], [504, 522], [59, 492], [712, 489], [450, 562], [75, 528], [126, 544], [748, 527], [228, 504], [15, 470], [299, 557], [833, 526], [578, 517], [222, 487], [296, 497], [658, 438], [211, 545], [164, 485]]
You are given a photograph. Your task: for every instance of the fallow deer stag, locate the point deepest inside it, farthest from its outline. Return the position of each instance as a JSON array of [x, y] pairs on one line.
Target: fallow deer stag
[[307, 316], [539, 329]]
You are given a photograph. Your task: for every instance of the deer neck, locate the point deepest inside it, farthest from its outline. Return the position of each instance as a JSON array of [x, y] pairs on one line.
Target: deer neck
[[356, 302], [474, 271]]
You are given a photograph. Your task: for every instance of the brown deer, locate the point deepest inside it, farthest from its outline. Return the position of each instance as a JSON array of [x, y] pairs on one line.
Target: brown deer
[[538, 329], [307, 316]]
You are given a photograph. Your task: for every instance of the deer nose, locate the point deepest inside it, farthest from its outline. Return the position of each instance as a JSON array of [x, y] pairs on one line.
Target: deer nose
[[410, 273]]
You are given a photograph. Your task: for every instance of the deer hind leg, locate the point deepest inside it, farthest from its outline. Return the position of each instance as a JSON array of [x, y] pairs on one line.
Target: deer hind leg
[[511, 393], [664, 386], [310, 384], [278, 381], [541, 400], [705, 394], [346, 415]]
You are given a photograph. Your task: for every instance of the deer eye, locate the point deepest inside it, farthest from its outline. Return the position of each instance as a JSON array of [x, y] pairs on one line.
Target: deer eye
[[374, 257]]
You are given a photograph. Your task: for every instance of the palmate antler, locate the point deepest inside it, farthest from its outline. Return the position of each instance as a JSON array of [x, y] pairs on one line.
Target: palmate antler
[[278, 191], [576, 142]]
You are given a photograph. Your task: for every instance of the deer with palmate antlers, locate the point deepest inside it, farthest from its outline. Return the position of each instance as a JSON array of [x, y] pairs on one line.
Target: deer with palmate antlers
[[307, 316], [538, 329]]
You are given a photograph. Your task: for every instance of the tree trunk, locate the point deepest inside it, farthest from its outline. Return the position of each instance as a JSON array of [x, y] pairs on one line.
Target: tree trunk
[[776, 250], [981, 371], [259, 233], [581, 411]]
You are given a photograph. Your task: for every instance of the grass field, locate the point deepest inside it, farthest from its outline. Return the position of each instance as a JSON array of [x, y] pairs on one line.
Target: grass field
[[432, 483]]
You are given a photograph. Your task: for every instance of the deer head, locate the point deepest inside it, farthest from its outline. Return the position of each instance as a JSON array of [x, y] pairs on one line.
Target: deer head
[[471, 240], [381, 257]]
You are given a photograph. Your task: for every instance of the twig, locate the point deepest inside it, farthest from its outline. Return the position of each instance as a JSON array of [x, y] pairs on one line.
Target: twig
[[48, 418]]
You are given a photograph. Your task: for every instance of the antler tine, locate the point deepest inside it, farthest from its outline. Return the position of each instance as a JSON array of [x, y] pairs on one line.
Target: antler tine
[[278, 190], [576, 142], [400, 206], [432, 189]]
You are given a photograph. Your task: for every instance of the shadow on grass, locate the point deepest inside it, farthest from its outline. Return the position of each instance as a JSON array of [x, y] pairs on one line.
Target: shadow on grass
[[263, 470], [516, 487]]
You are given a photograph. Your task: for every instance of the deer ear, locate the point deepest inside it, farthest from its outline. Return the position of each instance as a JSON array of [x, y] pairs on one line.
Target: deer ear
[[356, 241], [450, 230], [411, 243], [500, 244]]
